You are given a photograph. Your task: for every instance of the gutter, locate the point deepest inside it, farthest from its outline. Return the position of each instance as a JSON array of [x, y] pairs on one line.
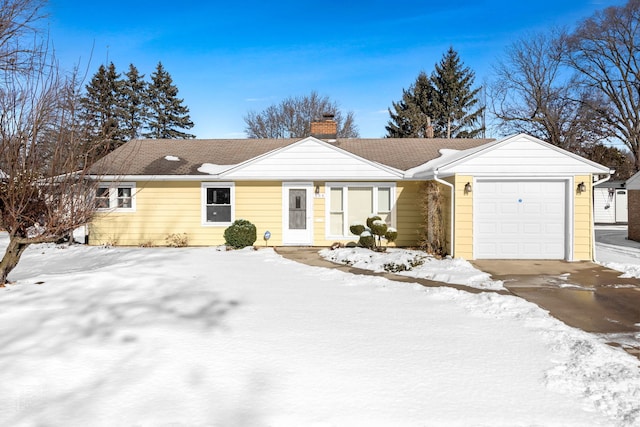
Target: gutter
[[452, 210]]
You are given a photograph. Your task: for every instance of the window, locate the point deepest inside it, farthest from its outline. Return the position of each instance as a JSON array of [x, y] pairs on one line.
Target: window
[[118, 197], [350, 203], [124, 197], [217, 203], [102, 198]]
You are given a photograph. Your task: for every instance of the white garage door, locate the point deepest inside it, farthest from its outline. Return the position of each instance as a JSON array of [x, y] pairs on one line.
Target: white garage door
[[519, 219]]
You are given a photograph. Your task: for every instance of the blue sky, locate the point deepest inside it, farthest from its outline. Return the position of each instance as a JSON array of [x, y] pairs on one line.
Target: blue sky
[[229, 58]]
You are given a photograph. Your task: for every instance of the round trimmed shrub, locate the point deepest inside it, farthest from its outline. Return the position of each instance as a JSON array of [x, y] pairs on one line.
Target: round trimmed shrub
[[371, 219], [357, 228], [378, 227], [240, 234], [367, 240], [391, 235]]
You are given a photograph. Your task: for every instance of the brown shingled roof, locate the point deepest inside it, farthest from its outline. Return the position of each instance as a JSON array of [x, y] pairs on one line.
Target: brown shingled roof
[[148, 156]]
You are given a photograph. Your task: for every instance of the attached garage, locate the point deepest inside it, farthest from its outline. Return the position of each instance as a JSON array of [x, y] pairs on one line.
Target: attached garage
[[520, 219], [517, 198]]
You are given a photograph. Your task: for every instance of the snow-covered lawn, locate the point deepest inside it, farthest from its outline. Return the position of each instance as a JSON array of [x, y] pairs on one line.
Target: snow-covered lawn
[[93, 336], [616, 252], [414, 264]]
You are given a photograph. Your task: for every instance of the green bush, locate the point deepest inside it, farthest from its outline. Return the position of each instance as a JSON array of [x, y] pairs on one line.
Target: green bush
[[391, 235], [240, 234], [356, 228], [378, 227], [371, 219], [367, 240]]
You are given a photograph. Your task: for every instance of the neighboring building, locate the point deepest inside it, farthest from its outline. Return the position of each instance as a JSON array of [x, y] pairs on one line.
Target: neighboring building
[[633, 190], [610, 203], [518, 197]]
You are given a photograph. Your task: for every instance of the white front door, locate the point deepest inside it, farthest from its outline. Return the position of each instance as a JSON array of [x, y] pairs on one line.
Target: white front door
[[297, 214], [515, 219]]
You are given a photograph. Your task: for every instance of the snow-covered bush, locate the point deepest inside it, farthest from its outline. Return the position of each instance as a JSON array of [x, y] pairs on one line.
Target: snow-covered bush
[[240, 234], [378, 227], [371, 236], [367, 240], [371, 219], [391, 235], [357, 228]]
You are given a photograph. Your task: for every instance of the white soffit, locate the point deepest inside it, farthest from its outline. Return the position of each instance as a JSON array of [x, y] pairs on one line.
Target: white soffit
[[311, 159]]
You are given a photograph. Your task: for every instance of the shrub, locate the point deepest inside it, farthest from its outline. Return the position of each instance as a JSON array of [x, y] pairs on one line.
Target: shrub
[[371, 219], [391, 235], [177, 240], [378, 227], [240, 234], [357, 228], [367, 240]]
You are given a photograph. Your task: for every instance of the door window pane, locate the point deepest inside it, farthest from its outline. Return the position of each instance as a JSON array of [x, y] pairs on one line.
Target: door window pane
[[297, 209]]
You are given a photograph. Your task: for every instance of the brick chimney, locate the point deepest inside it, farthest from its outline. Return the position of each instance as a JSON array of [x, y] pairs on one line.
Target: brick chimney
[[327, 128]]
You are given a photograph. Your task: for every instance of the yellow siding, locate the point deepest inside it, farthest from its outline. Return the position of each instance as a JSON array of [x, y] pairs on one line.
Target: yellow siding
[[583, 220], [261, 203], [463, 232], [163, 208], [319, 224], [408, 215]]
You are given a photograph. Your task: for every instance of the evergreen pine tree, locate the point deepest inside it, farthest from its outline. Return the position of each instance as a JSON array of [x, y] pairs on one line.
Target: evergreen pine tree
[[455, 100], [167, 114], [445, 100], [102, 110], [135, 103], [413, 112]]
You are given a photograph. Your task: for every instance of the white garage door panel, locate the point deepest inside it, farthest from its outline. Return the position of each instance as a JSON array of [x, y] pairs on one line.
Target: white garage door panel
[[519, 219]]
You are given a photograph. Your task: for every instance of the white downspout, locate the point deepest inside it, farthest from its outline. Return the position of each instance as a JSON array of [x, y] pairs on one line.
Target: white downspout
[[593, 219], [453, 195]]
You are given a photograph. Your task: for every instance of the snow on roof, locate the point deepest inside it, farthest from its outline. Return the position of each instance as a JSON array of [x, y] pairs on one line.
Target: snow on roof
[[212, 169], [172, 158]]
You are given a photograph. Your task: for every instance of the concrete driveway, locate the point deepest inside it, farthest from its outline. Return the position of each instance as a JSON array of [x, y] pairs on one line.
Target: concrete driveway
[[582, 294]]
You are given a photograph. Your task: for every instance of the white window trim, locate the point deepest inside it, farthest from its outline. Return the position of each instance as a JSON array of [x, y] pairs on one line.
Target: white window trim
[[203, 203], [113, 196], [345, 210]]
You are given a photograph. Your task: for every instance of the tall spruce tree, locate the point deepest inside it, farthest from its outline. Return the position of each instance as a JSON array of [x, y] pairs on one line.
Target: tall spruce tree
[[135, 103], [167, 113], [102, 111], [455, 102], [414, 111], [446, 99]]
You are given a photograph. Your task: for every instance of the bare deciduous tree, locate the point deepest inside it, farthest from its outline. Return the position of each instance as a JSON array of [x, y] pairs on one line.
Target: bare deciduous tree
[[537, 93], [293, 116], [45, 190], [605, 49], [18, 20]]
